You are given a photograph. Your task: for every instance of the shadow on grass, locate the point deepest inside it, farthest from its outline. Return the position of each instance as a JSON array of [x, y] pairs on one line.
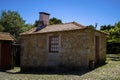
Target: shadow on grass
[[113, 57], [100, 65], [52, 71]]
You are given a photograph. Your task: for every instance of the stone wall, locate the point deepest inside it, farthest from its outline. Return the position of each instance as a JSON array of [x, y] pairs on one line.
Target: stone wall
[[102, 50], [74, 45], [33, 50], [76, 48]]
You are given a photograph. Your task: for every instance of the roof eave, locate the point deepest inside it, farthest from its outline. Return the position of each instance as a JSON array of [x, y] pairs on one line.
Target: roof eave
[[96, 30]]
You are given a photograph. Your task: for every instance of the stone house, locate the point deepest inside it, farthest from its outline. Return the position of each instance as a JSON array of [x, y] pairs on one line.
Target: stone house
[[6, 55], [67, 45]]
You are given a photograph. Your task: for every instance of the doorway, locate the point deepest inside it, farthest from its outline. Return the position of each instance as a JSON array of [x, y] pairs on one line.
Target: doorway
[[97, 49], [53, 53], [5, 55]]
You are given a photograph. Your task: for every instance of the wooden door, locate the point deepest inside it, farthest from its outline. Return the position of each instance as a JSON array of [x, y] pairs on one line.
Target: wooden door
[[97, 49], [5, 55]]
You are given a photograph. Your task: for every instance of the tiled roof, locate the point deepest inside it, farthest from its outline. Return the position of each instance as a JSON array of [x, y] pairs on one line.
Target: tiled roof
[[6, 36], [56, 28]]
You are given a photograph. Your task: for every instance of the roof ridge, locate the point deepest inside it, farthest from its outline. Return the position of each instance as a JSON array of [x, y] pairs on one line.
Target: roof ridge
[[73, 22], [80, 25], [56, 24]]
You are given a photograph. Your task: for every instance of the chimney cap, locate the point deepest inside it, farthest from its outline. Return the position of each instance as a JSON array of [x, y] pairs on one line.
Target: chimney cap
[[44, 13]]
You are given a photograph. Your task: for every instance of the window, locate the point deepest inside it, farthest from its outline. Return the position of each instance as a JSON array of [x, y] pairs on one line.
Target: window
[[54, 44]]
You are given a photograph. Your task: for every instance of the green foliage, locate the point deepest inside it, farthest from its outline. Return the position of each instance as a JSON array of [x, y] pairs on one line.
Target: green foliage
[[91, 26], [55, 21], [106, 27], [27, 27], [1, 28], [113, 32], [12, 22], [36, 23]]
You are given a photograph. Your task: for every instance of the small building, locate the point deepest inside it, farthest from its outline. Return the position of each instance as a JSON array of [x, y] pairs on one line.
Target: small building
[[6, 56], [62, 45]]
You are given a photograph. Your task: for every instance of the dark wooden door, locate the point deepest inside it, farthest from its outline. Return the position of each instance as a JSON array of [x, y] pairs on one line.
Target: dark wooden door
[[5, 55], [97, 47]]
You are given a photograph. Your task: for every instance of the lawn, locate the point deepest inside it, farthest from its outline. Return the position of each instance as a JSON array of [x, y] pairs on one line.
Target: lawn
[[109, 71]]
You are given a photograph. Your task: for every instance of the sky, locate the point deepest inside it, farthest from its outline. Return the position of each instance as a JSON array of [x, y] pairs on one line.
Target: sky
[[85, 12]]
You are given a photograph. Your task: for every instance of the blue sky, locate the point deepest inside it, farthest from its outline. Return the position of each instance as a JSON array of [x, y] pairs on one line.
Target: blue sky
[[85, 12]]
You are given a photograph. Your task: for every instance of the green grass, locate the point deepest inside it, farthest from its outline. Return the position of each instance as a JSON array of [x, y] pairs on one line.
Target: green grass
[[109, 71]]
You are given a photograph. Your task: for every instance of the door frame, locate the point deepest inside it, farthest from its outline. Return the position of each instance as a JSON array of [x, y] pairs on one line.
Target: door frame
[[97, 49], [5, 55], [52, 56]]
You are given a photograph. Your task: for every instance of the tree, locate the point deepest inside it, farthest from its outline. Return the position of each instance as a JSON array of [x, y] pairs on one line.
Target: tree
[[91, 26], [12, 22], [27, 27], [106, 27], [36, 23], [55, 21], [1, 28], [113, 32]]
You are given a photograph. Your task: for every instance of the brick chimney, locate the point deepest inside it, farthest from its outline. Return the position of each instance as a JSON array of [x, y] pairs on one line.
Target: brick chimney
[[44, 17], [43, 21]]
